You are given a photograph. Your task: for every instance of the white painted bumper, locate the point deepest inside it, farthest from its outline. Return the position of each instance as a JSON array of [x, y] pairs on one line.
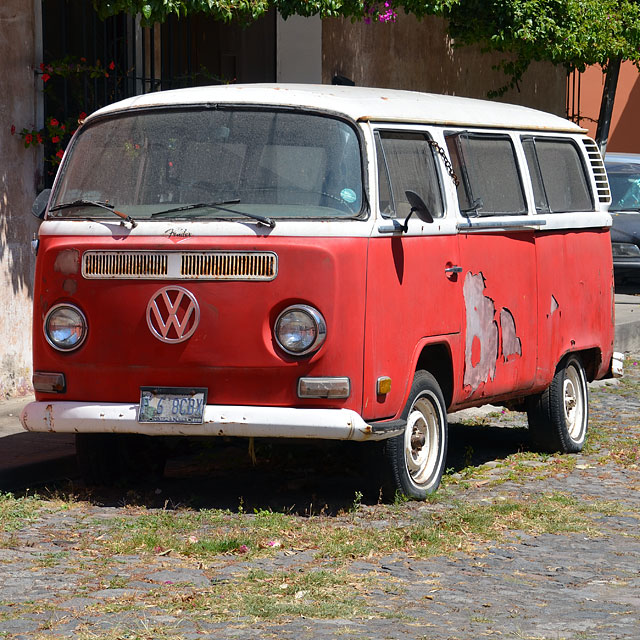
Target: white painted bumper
[[259, 422]]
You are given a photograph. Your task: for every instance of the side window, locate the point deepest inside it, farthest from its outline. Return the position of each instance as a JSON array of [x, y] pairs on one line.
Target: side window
[[490, 181], [558, 175], [406, 162]]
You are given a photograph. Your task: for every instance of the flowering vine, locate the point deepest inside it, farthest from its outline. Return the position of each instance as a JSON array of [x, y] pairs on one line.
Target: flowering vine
[[57, 132], [377, 12]]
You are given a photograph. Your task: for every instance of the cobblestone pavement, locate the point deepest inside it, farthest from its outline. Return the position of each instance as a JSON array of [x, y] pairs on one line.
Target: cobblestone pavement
[[95, 565]]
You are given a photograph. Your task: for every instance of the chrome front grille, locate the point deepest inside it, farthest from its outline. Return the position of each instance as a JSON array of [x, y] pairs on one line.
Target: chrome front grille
[[229, 266], [124, 264], [180, 265]]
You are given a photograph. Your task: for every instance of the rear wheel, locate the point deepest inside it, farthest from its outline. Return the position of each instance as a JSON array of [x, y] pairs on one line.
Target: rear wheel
[[559, 416], [416, 458]]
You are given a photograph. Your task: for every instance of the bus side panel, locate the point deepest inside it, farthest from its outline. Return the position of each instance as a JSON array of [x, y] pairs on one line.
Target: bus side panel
[[575, 297], [409, 297]]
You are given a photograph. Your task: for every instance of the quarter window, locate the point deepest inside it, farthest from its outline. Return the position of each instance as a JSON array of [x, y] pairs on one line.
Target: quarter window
[[557, 174], [490, 182], [406, 162]]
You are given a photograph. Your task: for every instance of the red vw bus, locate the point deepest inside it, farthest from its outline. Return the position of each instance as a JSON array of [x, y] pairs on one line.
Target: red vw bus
[[320, 262]]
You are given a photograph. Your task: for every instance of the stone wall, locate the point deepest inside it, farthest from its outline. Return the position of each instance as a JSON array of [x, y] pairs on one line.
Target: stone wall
[[418, 55], [18, 182]]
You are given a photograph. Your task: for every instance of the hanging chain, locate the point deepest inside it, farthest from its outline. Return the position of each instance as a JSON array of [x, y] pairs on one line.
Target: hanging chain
[[447, 162]]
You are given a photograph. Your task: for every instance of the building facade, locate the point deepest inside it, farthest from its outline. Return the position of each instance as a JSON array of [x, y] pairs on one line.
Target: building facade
[[408, 54]]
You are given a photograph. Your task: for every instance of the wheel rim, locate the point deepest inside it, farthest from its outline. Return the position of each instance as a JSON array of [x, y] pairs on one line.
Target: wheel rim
[[423, 440], [573, 394]]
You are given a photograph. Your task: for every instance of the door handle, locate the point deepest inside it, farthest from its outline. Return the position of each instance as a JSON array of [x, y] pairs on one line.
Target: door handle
[[453, 269]]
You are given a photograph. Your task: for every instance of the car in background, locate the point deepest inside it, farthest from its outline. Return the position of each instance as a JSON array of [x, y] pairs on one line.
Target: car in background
[[623, 170]]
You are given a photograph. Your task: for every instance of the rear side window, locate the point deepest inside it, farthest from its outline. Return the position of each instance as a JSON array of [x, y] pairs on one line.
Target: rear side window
[[558, 175], [406, 162], [490, 181]]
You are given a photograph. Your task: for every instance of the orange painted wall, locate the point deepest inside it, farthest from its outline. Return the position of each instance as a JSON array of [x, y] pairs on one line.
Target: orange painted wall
[[624, 135]]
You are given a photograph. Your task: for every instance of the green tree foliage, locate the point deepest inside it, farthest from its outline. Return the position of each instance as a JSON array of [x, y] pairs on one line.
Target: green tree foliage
[[573, 33]]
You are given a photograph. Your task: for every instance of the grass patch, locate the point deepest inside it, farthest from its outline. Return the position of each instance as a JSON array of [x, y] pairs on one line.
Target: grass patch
[[455, 527], [272, 596], [16, 513], [202, 534]]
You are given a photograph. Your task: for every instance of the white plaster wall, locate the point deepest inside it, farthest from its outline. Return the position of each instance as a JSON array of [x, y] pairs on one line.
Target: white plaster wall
[[299, 49], [18, 181]]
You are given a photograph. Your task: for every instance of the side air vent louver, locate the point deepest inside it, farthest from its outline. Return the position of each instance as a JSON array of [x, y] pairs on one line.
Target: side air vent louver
[[180, 265], [599, 172]]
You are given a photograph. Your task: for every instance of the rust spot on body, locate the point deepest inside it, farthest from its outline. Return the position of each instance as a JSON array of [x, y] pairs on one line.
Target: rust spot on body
[[511, 344], [69, 286], [67, 262], [48, 417]]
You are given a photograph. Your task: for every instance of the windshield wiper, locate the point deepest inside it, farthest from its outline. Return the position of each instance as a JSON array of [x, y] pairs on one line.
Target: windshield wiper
[[205, 205], [95, 203]]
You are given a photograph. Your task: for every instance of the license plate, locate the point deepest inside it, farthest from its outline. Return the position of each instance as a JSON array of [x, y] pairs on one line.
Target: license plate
[[171, 404]]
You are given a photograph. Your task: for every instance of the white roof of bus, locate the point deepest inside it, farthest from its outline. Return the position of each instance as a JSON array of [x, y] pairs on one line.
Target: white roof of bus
[[360, 103]]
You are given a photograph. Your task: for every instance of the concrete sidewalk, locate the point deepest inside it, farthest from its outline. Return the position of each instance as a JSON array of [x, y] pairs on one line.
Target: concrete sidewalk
[[33, 458], [627, 323]]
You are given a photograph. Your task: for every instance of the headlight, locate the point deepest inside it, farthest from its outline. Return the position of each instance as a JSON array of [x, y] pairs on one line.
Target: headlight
[[300, 329], [625, 250], [65, 327]]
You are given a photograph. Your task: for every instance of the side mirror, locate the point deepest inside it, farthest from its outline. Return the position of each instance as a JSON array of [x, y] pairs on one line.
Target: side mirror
[[39, 205], [418, 207]]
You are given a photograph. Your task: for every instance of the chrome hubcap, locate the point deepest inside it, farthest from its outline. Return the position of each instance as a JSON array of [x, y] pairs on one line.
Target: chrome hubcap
[[423, 440], [573, 403]]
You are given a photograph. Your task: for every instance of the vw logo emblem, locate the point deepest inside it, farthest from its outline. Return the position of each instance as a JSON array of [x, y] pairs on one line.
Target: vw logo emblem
[[173, 314]]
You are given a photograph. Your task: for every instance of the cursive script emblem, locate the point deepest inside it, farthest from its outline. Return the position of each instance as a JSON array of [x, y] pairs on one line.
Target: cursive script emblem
[[173, 314], [177, 233]]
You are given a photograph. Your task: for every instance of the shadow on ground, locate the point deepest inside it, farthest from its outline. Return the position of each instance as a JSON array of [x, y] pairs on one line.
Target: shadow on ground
[[297, 477]]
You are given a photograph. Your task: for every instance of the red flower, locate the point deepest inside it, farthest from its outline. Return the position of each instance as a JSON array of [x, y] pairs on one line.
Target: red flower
[[28, 139], [63, 127], [106, 75], [112, 65], [55, 139], [46, 77], [39, 138], [83, 59], [82, 116], [53, 122], [13, 129], [42, 66], [60, 153]]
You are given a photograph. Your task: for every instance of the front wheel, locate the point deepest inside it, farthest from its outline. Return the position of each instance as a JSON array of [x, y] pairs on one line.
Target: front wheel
[[416, 458], [559, 416]]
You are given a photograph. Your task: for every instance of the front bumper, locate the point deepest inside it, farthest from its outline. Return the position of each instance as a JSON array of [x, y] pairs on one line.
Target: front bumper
[[238, 421]]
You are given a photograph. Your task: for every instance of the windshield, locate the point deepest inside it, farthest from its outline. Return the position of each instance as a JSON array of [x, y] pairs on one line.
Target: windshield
[[624, 180], [229, 163]]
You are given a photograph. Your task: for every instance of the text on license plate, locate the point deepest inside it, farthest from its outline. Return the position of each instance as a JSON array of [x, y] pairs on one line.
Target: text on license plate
[[171, 404]]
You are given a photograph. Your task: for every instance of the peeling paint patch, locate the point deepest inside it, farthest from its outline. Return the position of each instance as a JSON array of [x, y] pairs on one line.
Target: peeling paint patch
[[67, 262], [554, 306], [511, 344], [481, 344]]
